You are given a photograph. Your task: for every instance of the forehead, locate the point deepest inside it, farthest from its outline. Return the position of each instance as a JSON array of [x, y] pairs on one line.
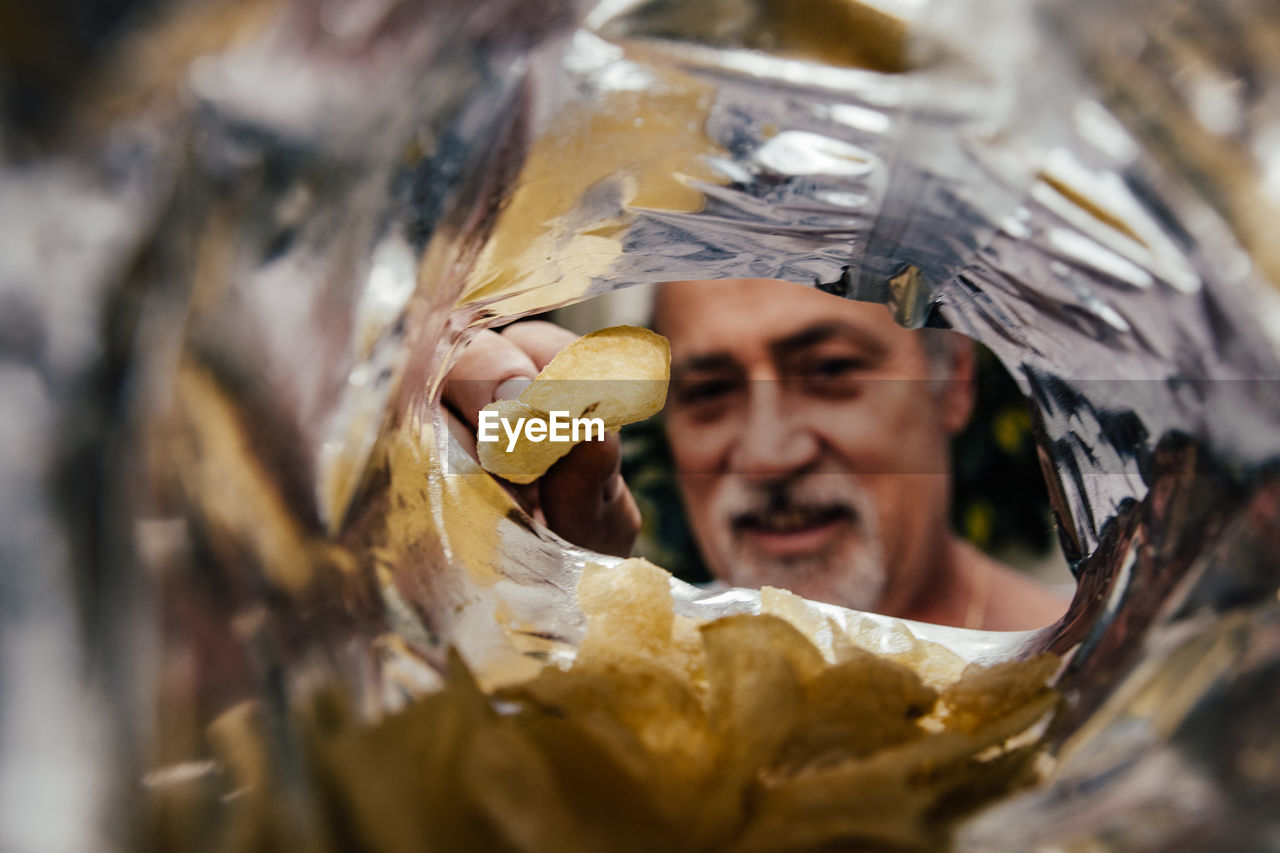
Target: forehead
[[746, 315]]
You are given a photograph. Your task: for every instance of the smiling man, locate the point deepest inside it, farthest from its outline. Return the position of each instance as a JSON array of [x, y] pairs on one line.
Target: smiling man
[[810, 437], [811, 442]]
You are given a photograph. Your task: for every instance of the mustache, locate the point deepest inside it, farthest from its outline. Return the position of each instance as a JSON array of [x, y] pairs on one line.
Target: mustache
[[809, 499]]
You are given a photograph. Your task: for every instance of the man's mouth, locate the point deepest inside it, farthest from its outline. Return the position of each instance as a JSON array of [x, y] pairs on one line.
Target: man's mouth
[[792, 530]]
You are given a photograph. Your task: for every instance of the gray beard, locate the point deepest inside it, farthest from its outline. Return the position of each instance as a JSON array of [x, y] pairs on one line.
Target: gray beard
[[851, 573]]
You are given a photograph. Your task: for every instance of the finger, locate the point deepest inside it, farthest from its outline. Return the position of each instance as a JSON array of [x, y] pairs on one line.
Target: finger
[[539, 339], [526, 496], [585, 500], [491, 368], [463, 434]]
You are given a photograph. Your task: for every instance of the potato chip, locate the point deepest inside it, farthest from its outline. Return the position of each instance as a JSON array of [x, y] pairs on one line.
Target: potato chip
[[806, 618], [629, 616], [856, 707], [864, 805], [905, 796], [985, 693], [628, 610], [734, 734], [527, 460], [936, 665], [506, 773], [618, 375]]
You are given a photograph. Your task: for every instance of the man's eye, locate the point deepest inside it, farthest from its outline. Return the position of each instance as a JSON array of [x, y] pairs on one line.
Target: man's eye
[[834, 368], [836, 377], [702, 391]]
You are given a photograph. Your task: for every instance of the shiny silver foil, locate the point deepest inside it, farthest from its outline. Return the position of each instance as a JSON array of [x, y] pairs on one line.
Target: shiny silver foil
[[244, 254]]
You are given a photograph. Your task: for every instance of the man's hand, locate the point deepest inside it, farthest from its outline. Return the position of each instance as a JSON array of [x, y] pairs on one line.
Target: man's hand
[[583, 497]]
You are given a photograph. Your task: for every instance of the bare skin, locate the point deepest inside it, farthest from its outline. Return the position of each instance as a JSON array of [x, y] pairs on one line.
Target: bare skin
[[583, 497], [811, 438], [811, 443]]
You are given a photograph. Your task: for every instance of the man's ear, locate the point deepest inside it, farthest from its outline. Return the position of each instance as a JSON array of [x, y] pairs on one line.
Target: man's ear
[[960, 389]]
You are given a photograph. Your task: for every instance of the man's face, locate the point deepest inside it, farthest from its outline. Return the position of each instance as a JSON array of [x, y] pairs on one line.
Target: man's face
[[810, 439]]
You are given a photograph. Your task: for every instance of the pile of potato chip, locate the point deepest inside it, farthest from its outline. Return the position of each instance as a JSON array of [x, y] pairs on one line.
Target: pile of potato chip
[[786, 730], [736, 734]]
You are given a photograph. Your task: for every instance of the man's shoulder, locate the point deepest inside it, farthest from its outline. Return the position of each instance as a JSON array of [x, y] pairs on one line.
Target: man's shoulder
[[1016, 601]]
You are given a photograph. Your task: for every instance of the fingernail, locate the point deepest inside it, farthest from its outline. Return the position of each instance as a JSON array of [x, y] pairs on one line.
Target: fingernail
[[511, 388]]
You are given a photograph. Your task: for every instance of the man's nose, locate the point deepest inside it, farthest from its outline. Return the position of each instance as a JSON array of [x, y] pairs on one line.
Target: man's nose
[[775, 440]]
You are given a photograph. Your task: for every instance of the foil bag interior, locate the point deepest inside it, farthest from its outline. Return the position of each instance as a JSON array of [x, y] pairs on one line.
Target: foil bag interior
[[237, 273]]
